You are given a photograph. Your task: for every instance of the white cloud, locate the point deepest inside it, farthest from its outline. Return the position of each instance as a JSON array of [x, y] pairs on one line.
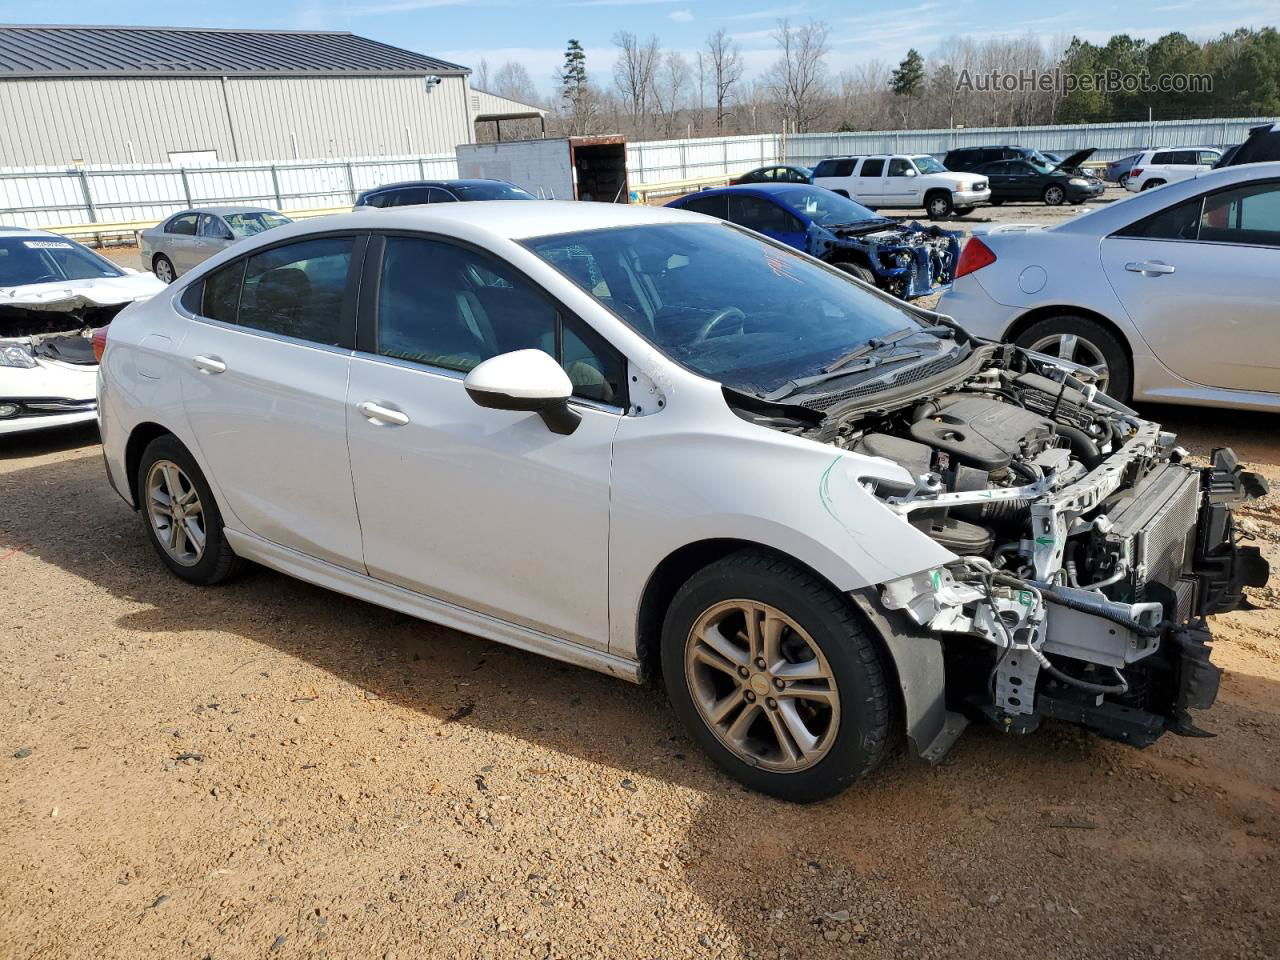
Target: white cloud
[[681, 16], [400, 6]]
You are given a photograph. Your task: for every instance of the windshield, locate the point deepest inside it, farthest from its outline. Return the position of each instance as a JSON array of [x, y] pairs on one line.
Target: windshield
[[49, 260], [928, 165], [1041, 166], [490, 191], [247, 224], [729, 305], [825, 207]]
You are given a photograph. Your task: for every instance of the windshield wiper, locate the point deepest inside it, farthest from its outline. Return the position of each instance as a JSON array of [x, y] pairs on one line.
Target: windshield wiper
[[875, 343]]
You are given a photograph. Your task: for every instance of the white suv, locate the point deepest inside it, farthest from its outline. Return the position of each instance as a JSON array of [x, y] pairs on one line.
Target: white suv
[[1154, 168], [650, 442], [904, 181]]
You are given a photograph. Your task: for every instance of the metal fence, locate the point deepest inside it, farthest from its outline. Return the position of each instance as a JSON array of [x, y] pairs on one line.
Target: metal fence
[[40, 197]]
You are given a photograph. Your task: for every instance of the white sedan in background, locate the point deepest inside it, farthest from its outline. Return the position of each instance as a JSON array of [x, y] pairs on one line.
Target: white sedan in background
[[651, 442], [1172, 295], [53, 294]]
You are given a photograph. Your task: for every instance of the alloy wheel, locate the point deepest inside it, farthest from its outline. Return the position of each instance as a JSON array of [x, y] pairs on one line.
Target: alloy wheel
[[164, 270], [762, 685], [1053, 196], [1076, 349], [176, 513]]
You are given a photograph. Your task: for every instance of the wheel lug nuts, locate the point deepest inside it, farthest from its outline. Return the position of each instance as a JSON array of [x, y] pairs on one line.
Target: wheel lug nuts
[[760, 663], [779, 682], [771, 703], [743, 672], [751, 697]]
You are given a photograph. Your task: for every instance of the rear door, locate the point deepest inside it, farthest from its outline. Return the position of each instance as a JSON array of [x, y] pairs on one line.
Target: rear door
[[266, 360], [1199, 280], [868, 185]]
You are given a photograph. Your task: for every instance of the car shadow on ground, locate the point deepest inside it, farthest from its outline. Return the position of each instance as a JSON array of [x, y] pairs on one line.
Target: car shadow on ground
[[915, 853]]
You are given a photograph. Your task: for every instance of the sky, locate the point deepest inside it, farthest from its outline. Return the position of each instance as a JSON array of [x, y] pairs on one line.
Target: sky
[[534, 34]]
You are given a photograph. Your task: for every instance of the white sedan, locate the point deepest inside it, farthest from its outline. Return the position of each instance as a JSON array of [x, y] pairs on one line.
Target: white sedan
[[1170, 295], [652, 443], [53, 293]]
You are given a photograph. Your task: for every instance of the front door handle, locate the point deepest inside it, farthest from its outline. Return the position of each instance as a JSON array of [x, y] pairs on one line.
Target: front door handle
[[1150, 268], [380, 414], [209, 364]]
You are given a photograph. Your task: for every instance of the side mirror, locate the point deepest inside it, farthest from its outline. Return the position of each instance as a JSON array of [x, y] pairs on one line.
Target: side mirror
[[525, 380]]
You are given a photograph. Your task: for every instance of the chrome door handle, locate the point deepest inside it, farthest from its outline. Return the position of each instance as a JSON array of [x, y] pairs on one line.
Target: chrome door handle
[[209, 364], [1150, 268], [379, 413]]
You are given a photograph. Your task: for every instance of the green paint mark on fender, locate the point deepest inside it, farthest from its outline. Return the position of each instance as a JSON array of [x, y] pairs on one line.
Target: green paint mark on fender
[[1045, 541], [936, 578]]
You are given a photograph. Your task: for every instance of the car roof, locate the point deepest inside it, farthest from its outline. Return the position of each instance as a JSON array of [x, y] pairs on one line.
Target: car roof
[[767, 189], [13, 231], [464, 182], [223, 211], [496, 219]]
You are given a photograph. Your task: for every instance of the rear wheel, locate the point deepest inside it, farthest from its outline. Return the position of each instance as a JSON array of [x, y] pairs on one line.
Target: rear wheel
[[775, 675], [163, 268], [1054, 195], [181, 517], [1124, 181], [1086, 342], [938, 205], [1151, 184]]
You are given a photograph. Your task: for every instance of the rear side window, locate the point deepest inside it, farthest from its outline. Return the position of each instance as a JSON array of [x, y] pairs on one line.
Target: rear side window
[[408, 197], [222, 293], [1164, 156], [873, 167], [755, 213], [712, 206], [1186, 158], [185, 225], [297, 290]]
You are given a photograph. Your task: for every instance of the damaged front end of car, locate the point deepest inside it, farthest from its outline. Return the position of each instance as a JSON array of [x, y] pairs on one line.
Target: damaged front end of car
[[1088, 551], [907, 260]]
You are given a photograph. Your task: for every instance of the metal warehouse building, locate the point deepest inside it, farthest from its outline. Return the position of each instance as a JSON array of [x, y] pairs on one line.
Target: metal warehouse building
[[127, 95]]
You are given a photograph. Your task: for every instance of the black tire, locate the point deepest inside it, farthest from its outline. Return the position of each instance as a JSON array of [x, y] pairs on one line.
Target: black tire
[[863, 733], [859, 271], [162, 267], [963, 211], [841, 193], [1123, 182], [1053, 195], [218, 562], [937, 205], [1119, 367], [996, 201], [1151, 184]]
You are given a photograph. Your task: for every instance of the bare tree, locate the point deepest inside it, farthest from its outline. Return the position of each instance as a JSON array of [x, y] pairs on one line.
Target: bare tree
[[799, 77], [633, 74], [670, 86], [480, 78], [726, 69], [512, 80]]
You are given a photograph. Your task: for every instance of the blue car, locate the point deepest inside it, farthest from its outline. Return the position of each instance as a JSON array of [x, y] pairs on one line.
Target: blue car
[[906, 260]]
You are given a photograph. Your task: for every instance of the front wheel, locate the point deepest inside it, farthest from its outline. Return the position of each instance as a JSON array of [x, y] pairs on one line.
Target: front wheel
[[181, 518], [776, 676], [857, 270], [1054, 195], [938, 206]]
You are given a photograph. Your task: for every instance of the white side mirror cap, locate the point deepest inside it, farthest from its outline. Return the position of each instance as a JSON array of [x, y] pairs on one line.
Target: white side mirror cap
[[525, 380]]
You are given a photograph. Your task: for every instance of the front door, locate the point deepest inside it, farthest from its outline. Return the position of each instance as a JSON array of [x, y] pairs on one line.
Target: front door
[[486, 509], [901, 184], [265, 385], [1199, 280]]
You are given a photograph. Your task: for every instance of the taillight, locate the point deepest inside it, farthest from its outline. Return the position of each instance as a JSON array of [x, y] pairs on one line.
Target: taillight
[[99, 343], [974, 256], [1135, 173]]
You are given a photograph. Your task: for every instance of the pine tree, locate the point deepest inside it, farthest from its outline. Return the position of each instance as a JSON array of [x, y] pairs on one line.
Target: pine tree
[[908, 80]]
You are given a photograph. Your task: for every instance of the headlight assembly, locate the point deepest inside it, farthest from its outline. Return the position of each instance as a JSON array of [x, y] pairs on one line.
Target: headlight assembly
[[16, 355]]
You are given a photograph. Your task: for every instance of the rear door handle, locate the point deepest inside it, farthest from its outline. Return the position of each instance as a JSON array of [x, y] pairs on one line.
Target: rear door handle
[[1150, 268], [209, 364], [380, 414]]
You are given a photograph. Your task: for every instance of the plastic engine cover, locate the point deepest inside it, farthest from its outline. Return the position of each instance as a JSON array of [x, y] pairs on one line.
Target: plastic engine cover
[[980, 431]]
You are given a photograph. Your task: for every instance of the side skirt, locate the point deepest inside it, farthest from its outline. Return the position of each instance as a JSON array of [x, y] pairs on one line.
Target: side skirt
[[362, 587]]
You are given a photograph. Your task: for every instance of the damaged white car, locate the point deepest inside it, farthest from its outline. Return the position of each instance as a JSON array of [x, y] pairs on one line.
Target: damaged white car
[[53, 294], [651, 443]]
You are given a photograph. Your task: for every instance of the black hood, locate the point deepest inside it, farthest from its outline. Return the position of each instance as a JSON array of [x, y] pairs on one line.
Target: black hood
[[1077, 158]]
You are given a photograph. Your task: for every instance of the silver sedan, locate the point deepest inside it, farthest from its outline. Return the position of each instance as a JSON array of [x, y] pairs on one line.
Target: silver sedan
[[189, 237]]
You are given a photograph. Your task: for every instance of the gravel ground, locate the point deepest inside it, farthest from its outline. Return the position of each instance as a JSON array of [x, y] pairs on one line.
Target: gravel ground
[[265, 769]]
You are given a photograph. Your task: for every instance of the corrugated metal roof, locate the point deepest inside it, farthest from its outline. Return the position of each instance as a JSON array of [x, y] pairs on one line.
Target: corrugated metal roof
[[79, 51]]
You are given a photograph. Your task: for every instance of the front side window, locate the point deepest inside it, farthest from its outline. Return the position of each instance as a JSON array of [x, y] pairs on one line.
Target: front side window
[[451, 307], [729, 305], [756, 213], [212, 227], [297, 290], [712, 206], [825, 207], [438, 195], [184, 225], [900, 167], [1248, 215], [408, 197]]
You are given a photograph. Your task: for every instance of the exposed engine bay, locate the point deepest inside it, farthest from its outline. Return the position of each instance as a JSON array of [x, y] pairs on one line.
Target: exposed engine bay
[[56, 334], [908, 261], [1088, 552]]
